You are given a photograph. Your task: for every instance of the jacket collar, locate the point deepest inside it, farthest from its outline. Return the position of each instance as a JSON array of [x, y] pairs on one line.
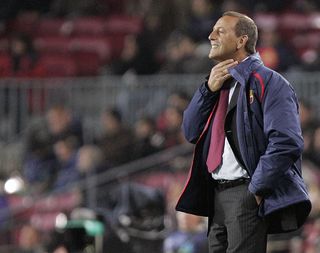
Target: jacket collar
[[243, 70]]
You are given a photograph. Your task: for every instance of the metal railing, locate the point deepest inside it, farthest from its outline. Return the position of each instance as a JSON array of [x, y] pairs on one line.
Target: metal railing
[[22, 100], [15, 215]]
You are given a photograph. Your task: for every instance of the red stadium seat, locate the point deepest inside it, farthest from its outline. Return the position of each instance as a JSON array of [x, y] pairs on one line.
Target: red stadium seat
[[98, 45], [58, 65], [25, 22], [294, 21], [266, 21], [5, 65], [88, 63], [50, 26], [88, 26], [306, 40], [116, 42], [52, 44], [123, 24], [4, 45]]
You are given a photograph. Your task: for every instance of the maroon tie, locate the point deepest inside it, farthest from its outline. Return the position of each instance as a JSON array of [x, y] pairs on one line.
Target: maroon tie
[[217, 133]]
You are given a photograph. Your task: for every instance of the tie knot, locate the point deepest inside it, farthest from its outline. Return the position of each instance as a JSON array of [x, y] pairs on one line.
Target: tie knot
[[228, 84]]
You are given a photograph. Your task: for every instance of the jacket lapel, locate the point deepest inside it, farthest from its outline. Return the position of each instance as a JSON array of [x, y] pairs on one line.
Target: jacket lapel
[[234, 98]]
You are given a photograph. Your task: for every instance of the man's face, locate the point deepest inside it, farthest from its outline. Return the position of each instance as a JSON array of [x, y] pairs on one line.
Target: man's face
[[223, 39]]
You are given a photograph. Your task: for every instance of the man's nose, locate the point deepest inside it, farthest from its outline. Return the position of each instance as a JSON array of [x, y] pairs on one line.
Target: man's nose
[[212, 35]]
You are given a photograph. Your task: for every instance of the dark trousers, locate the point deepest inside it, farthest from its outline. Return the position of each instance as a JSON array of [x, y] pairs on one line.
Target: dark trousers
[[236, 227]]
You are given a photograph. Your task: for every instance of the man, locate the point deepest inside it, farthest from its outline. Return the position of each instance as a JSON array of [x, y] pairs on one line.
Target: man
[[246, 171]]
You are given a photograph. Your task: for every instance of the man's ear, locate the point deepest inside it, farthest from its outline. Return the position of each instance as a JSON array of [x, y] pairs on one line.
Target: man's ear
[[242, 41]]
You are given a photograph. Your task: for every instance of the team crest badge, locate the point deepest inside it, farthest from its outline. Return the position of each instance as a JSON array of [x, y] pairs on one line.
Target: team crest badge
[[251, 96]]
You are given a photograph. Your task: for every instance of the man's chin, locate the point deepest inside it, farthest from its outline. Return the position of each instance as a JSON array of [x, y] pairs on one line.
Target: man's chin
[[213, 57]]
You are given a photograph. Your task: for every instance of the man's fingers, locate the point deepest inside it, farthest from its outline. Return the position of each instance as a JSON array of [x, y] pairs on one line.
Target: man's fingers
[[222, 77], [218, 74], [226, 76]]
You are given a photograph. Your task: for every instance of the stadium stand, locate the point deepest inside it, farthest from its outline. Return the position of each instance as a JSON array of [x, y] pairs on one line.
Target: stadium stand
[[73, 54]]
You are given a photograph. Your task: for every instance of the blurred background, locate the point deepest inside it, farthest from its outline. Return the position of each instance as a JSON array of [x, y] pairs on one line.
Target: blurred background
[[92, 92]]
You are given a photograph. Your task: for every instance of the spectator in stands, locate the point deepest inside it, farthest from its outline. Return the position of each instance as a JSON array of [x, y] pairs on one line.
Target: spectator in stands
[[61, 122], [202, 16], [23, 57], [89, 160], [90, 164], [242, 6], [159, 21], [306, 6], [136, 57], [308, 240], [70, 8], [167, 122], [58, 243], [5, 212], [182, 56], [144, 138], [61, 249], [190, 236], [311, 59], [312, 234], [115, 139], [39, 168], [267, 6], [21, 61], [29, 240], [65, 150], [40, 163], [177, 99], [140, 53], [309, 125], [8, 9], [314, 157], [172, 132], [274, 53]]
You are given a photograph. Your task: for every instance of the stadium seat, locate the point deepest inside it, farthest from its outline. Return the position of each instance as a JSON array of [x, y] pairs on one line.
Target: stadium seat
[[4, 45], [88, 63], [50, 26], [98, 45], [294, 21], [58, 65], [306, 40], [5, 65], [123, 24], [87, 26], [25, 22], [266, 21], [52, 44], [116, 42]]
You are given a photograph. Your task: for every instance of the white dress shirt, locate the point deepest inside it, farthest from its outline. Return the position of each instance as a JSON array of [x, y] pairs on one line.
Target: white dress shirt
[[229, 169]]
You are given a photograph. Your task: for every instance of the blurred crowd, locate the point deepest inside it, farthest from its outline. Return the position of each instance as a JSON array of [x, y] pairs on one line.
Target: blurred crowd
[[59, 38], [170, 38], [56, 161], [55, 149]]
